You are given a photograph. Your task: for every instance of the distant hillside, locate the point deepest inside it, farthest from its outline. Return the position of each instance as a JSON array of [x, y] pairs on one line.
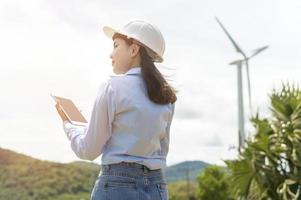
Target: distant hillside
[[184, 170], [26, 178]]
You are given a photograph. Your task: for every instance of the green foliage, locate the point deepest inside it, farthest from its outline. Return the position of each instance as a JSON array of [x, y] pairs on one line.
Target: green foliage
[[181, 190], [214, 184], [269, 166]]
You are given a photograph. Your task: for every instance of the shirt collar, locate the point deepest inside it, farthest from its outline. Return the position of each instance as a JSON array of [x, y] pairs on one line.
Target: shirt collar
[[134, 70]]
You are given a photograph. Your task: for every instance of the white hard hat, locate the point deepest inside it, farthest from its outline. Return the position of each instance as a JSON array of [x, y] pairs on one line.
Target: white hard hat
[[145, 33]]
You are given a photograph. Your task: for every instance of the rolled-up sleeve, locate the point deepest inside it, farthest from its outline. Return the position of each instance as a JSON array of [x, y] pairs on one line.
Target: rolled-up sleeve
[[88, 141]]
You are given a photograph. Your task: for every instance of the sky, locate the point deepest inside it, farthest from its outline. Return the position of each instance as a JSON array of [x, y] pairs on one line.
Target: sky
[[57, 46]]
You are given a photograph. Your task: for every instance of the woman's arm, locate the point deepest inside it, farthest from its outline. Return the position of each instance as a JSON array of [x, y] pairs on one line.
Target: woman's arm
[[88, 142]]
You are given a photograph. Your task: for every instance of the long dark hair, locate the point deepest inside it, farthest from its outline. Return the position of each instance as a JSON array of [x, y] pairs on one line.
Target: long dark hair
[[158, 89]]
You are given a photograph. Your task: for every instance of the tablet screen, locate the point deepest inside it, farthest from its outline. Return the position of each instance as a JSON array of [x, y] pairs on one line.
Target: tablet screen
[[71, 111]]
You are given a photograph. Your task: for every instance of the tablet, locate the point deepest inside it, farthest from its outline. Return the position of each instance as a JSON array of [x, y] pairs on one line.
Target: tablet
[[70, 110]]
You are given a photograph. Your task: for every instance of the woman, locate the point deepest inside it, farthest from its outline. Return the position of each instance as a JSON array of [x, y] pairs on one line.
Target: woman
[[130, 120]]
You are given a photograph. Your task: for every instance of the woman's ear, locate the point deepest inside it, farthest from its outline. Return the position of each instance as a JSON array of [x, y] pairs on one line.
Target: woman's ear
[[134, 49]]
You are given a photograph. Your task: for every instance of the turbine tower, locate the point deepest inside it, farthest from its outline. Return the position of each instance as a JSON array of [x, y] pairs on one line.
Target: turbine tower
[[239, 63]]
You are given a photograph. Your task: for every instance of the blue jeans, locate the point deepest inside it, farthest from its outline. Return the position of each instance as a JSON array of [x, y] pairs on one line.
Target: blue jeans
[[129, 181]]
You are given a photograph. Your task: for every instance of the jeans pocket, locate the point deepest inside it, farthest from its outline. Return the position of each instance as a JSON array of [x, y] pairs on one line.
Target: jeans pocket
[[112, 183], [125, 190], [163, 191]]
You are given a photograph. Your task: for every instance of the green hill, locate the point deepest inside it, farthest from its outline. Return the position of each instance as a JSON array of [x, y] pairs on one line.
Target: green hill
[[187, 170], [25, 178]]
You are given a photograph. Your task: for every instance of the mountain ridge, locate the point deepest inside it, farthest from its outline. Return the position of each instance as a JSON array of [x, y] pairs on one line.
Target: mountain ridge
[[27, 178]]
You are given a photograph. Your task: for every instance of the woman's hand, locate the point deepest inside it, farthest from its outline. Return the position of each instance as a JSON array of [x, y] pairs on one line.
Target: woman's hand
[[61, 113]]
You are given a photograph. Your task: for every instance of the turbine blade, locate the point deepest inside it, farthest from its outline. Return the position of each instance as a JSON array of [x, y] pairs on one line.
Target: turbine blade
[[257, 51], [237, 48]]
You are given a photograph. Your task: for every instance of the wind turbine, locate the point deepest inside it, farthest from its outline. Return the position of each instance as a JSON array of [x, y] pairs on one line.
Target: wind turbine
[[239, 63]]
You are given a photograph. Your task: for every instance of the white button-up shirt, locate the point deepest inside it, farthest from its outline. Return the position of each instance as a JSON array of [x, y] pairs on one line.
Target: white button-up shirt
[[125, 125]]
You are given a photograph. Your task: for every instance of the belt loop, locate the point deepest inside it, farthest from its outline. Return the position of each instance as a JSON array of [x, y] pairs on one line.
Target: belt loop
[[105, 167], [145, 169]]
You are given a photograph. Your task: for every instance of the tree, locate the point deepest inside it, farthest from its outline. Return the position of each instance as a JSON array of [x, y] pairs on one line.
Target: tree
[[213, 184], [269, 166]]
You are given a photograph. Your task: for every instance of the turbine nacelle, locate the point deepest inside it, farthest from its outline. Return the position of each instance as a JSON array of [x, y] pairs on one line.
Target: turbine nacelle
[[237, 62]]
